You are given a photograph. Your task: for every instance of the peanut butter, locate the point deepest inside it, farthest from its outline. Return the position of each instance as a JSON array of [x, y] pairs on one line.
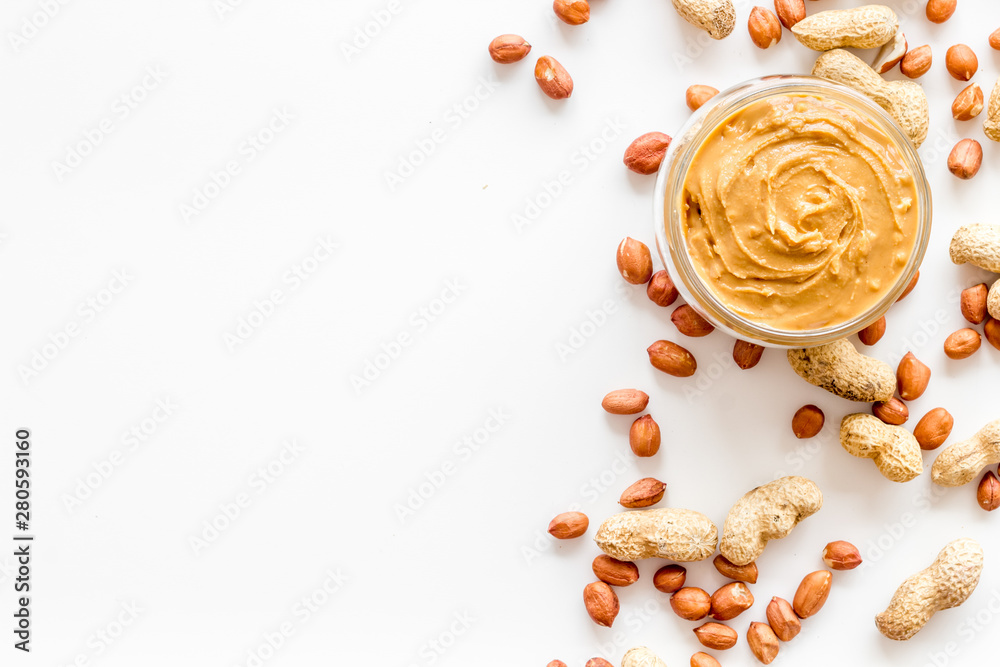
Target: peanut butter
[[800, 213]]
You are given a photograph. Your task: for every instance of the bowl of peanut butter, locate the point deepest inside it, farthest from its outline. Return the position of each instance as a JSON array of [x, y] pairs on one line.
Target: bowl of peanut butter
[[791, 211]]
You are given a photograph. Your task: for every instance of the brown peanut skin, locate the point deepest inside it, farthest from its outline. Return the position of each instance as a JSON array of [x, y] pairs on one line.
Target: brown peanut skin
[[691, 603], [644, 155], [644, 436], [569, 525], [747, 355], [783, 619], [670, 578], [933, 429], [763, 642], [601, 603], [672, 359], [507, 49], [746, 573], [730, 601], [553, 79], [702, 659], [812, 593], [807, 421], [873, 333], [912, 377], [661, 289]]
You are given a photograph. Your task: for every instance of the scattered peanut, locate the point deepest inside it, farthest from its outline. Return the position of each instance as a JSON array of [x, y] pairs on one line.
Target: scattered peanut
[[912, 377], [812, 593], [905, 101], [947, 583], [644, 436], [763, 642], [697, 95], [840, 369], [893, 411], [601, 603], [764, 28], [730, 601], [977, 244], [625, 401], [933, 429], [992, 331], [634, 261], [973, 303], [890, 54], [672, 359], [676, 534], [991, 126], [873, 333], [598, 662], [569, 525], [507, 49], [995, 39], [968, 103], [670, 578], [615, 572], [641, 657], [961, 62], [644, 155], [646, 492], [783, 619], [747, 355], [894, 449], [661, 289], [716, 636], [916, 62], [768, 512], [807, 421], [960, 462], [690, 323], [939, 11], [965, 159], [910, 286], [716, 17], [553, 78], [702, 659], [691, 604], [841, 555], [726, 568], [988, 493], [861, 27], [573, 12], [962, 344], [790, 12]]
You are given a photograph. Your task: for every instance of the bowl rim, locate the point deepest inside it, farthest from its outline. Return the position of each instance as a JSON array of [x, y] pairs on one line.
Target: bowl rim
[[670, 241]]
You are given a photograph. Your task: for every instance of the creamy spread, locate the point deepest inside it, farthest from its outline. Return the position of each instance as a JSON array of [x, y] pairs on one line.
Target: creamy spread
[[799, 212]]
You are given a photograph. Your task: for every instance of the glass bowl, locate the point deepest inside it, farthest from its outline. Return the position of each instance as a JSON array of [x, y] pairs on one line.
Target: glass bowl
[[668, 212]]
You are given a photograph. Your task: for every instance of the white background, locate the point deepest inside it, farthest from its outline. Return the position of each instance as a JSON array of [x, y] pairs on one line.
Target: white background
[[470, 567]]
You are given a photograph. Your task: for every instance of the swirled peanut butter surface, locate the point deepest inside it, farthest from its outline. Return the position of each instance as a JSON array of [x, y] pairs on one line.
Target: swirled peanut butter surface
[[800, 213]]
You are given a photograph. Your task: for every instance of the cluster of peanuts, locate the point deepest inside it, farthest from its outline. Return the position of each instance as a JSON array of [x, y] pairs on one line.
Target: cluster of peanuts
[[691, 603]]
